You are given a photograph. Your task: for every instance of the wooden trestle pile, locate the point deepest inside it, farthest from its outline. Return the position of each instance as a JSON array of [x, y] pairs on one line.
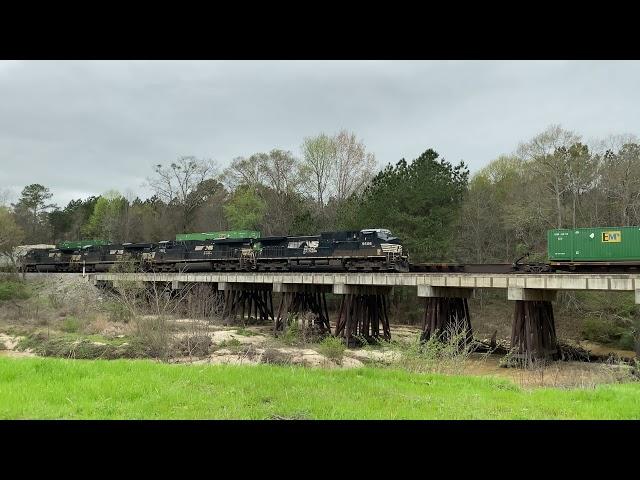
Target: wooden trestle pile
[[250, 302], [296, 303], [361, 316], [445, 317], [533, 334]]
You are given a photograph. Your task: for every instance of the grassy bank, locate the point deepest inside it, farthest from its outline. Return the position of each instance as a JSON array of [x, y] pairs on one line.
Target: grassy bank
[[124, 389]]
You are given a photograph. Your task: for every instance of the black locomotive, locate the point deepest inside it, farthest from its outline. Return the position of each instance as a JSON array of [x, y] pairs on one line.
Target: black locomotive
[[361, 250]]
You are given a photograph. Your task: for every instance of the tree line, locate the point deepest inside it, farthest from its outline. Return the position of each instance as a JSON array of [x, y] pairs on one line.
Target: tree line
[[554, 180]]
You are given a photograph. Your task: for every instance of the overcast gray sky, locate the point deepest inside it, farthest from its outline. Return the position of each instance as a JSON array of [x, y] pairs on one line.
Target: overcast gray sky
[[85, 127]]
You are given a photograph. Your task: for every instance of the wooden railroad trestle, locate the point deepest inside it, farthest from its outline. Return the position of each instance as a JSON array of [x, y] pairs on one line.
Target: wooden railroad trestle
[[446, 317], [361, 315], [245, 303], [296, 303], [364, 314]]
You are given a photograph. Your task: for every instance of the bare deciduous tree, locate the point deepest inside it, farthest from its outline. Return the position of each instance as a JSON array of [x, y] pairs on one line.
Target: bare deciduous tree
[[283, 179], [5, 196], [282, 171], [319, 155], [150, 305], [354, 166], [542, 151], [245, 171], [176, 184], [475, 222], [620, 179], [612, 143], [10, 236], [582, 169], [276, 178]]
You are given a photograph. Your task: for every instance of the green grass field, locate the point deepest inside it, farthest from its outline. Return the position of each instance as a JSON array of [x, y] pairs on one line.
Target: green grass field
[[39, 388]]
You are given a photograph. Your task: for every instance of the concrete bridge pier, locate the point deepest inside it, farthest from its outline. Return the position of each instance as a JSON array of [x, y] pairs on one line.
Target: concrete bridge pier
[[533, 334], [244, 302], [363, 310], [298, 298], [446, 313]]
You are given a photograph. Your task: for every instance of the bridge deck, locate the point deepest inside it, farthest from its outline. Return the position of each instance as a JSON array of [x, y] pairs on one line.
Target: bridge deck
[[549, 281]]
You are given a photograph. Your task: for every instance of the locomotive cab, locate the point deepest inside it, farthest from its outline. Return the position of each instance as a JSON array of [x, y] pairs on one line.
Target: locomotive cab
[[381, 242], [38, 260], [382, 239]]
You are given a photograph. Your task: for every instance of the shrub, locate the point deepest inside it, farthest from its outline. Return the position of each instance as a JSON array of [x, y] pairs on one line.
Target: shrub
[[118, 311], [66, 346], [276, 357], [300, 329], [12, 290], [233, 344], [448, 354], [627, 341], [600, 330], [192, 345], [245, 333], [97, 325], [71, 325], [153, 333], [31, 341], [617, 332], [292, 334], [333, 348], [607, 303], [56, 300]]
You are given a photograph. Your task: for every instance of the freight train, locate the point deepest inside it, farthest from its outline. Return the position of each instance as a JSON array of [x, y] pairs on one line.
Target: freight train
[[374, 249], [604, 249]]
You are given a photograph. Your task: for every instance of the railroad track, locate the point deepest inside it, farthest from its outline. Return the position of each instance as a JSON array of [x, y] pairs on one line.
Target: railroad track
[[486, 268]]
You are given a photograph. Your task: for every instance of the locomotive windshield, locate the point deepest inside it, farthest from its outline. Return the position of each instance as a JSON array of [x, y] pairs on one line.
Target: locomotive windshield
[[382, 233]]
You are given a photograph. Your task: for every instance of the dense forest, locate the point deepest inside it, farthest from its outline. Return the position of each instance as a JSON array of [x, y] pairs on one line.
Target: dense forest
[[441, 212]]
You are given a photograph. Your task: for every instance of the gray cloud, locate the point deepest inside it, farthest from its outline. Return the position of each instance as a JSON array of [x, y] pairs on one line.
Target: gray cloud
[[84, 128]]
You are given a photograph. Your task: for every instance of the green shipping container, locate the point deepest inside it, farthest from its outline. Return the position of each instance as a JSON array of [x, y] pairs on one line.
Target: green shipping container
[[75, 245], [218, 235], [600, 244]]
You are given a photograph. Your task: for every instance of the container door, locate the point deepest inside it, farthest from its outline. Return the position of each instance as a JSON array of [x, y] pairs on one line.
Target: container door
[[560, 244]]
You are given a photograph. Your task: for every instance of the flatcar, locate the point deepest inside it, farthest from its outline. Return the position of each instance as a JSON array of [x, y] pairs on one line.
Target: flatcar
[[588, 250], [580, 250]]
